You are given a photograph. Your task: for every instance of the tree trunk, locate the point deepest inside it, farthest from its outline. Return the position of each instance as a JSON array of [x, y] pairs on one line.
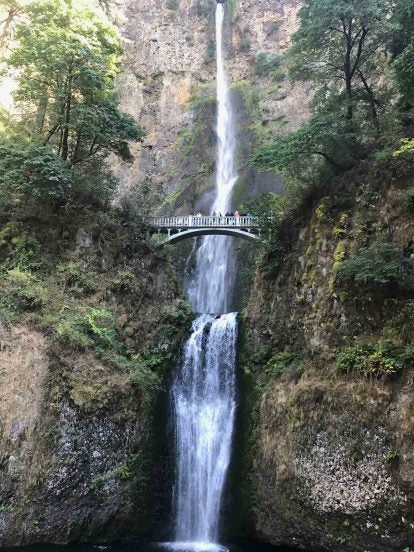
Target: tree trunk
[[68, 106], [372, 103], [41, 114], [348, 71]]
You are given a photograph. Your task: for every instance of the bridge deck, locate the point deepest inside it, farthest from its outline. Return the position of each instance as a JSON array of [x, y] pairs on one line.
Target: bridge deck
[[187, 222]]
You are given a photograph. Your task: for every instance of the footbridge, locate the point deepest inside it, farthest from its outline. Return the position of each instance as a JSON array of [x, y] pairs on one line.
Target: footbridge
[[176, 229]]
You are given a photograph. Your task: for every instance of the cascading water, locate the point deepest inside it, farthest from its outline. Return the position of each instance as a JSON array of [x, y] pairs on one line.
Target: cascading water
[[203, 391], [204, 400], [211, 287]]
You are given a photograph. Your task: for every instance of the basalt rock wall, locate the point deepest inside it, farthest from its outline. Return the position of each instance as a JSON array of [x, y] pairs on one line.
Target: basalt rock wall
[[328, 455], [86, 349], [168, 84]]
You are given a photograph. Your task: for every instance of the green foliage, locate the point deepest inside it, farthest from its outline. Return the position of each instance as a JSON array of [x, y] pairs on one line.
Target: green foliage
[[21, 291], [31, 172], [72, 330], [400, 327], [97, 483], [377, 267], [338, 46], [52, 152], [269, 66], [182, 314], [76, 278], [200, 96], [22, 251], [375, 360], [123, 472], [9, 312], [391, 455], [144, 367], [284, 363], [91, 327], [406, 146], [26, 290], [130, 469], [324, 136], [100, 323], [67, 55], [402, 47]]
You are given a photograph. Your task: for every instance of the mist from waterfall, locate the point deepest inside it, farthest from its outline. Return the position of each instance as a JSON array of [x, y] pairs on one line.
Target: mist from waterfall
[[204, 390]]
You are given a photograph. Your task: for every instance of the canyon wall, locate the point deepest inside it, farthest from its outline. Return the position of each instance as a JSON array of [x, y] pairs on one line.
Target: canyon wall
[[329, 449], [86, 348], [168, 84]]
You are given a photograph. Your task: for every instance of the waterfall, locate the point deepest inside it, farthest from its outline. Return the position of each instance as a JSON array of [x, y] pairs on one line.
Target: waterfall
[[204, 399], [211, 287], [203, 390]]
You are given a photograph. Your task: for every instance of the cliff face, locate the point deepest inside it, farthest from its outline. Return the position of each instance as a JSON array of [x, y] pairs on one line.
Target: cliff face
[[85, 353], [168, 84], [330, 451]]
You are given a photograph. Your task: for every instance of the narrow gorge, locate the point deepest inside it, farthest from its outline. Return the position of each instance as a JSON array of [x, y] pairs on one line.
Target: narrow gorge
[[209, 393]]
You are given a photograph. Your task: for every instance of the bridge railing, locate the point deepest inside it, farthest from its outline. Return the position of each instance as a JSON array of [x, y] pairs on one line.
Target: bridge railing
[[197, 221]]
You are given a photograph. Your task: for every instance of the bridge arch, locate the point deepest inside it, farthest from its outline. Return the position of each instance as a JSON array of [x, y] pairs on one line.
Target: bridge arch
[[195, 232]]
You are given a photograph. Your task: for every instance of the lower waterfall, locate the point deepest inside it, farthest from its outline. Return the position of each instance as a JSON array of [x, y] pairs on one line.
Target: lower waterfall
[[204, 403]]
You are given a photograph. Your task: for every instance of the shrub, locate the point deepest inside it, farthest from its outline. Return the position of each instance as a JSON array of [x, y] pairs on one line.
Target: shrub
[[400, 328], [100, 324], [32, 171], [269, 66], [97, 483], [181, 314], [26, 291], [282, 363], [123, 472], [374, 360], [376, 267], [71, 328], [76, 278]]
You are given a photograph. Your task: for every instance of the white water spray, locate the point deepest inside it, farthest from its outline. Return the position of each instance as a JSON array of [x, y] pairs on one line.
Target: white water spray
[[203, 391]]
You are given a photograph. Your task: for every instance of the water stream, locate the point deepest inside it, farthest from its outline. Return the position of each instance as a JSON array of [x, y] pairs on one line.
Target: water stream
[[203, 391], [210, 288]]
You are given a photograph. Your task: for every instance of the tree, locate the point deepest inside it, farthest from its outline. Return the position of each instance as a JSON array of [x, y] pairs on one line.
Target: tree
[[338, 45], [402, 47], [324, 136], [31, 172], [67, 58], [10, 12]]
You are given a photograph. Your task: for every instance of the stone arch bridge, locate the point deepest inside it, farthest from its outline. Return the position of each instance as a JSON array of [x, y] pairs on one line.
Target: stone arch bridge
[[176, 229]]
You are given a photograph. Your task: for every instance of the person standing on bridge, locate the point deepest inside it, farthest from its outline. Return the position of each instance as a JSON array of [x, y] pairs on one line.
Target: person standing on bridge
[[237, 215]]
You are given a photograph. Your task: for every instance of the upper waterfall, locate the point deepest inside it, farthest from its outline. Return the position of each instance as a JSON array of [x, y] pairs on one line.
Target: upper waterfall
[[211, 286]]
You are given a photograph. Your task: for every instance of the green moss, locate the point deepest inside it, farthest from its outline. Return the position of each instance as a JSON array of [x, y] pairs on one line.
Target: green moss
[[284, 362]]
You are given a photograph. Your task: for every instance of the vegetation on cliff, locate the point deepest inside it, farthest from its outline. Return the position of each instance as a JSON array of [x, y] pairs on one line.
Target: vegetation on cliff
[[353, 54], [327, 344], [91, 315]]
